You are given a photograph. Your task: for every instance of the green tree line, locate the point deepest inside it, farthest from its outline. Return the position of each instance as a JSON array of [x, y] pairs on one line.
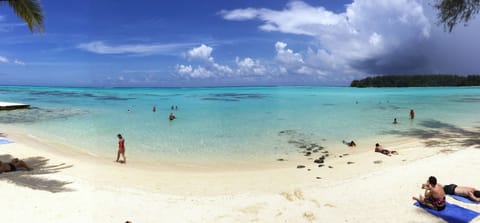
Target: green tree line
[[417, 81]]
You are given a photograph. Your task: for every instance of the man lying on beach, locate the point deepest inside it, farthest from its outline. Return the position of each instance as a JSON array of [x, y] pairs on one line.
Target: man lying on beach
[[13, 165], [468, 192], [434, 195], [380, 149]]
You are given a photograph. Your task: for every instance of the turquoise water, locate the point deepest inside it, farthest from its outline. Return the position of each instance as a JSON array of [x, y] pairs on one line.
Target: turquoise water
[[228, 122]]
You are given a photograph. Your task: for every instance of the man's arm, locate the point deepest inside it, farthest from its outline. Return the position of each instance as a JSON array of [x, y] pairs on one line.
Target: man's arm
[[472, 197]]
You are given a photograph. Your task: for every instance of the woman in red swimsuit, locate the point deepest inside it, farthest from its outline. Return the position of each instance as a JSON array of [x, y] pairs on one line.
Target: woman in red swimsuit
[[121, 149]]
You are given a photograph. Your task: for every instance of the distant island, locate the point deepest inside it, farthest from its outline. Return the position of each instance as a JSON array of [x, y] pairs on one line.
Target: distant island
[[433, 80]]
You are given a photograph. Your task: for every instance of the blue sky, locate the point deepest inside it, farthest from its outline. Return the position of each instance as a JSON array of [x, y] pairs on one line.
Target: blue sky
[[187, 43]]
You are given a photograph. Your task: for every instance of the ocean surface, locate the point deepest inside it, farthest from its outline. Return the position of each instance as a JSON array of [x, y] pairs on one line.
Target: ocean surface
[[230, 122]]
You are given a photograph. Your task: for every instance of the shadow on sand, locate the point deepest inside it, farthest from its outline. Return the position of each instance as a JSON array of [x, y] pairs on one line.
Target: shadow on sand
[[31, 179], [436, 133]]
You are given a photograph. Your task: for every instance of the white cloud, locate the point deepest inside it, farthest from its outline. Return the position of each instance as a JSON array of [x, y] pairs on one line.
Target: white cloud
[[15, 61], [210, 68], [240, 14], [100, 47], [248, 66], [18, 62], [4, 59], [297, 18], [202, 52], [184, 70], [354, 41], [287, 56], [198, 72], [201, 72]]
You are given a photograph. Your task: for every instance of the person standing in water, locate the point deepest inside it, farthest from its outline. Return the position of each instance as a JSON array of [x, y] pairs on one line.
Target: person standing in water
[[171, 117], [412, 114], [121, 149]]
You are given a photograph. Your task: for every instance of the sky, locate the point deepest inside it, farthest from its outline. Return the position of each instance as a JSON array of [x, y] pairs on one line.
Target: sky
[[199, 43]]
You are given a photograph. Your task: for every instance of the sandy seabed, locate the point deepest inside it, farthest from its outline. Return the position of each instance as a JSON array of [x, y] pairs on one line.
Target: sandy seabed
[[70, 186]]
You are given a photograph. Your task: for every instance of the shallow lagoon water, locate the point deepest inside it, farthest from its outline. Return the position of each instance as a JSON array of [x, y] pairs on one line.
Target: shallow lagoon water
[[229, 122]]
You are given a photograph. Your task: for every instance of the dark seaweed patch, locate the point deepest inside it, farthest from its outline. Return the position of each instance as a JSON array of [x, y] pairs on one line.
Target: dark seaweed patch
[[37, 114], [467, 100], [80, 95], [306, 147], [233, 96], [219, 99], [112, 98]]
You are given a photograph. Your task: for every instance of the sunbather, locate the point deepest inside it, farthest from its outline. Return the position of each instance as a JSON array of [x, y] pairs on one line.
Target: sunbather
[[13, 165], [468, 192], [380, 149], [434, 195]]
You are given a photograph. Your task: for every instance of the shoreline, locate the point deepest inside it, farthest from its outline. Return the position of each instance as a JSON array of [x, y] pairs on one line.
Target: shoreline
[[342, 164], [99, 188]]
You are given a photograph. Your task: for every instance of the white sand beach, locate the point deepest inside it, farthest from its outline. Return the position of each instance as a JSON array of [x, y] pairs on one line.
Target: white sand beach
[[69, 186]]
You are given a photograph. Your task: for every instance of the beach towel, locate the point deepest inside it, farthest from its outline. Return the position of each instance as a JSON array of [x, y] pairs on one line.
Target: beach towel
[[4, 141], [464, 199], [452, 213]]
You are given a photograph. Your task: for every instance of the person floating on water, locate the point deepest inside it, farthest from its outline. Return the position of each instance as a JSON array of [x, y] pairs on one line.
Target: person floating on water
[[171, 117], [412, 114], [351, 143]]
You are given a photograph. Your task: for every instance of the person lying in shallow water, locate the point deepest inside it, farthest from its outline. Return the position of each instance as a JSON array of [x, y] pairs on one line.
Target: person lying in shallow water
[[380, 149], [13, 165], [351, 143]]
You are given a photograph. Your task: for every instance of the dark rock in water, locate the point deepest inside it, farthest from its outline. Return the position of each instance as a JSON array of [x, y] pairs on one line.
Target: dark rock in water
[[319, 178], [280, 159], [308, 153], [325, 151], [302, 146], [340, 156], [350, 162], [286, 132], [308, 169], [330, 167], [345, 154], [315, 151], [300, 166], [309, 149], [294, 142], [321, 165], [319, 161]]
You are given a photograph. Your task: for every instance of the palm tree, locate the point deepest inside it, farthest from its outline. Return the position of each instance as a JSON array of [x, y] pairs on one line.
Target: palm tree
[[452, 12], [29, 11]]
